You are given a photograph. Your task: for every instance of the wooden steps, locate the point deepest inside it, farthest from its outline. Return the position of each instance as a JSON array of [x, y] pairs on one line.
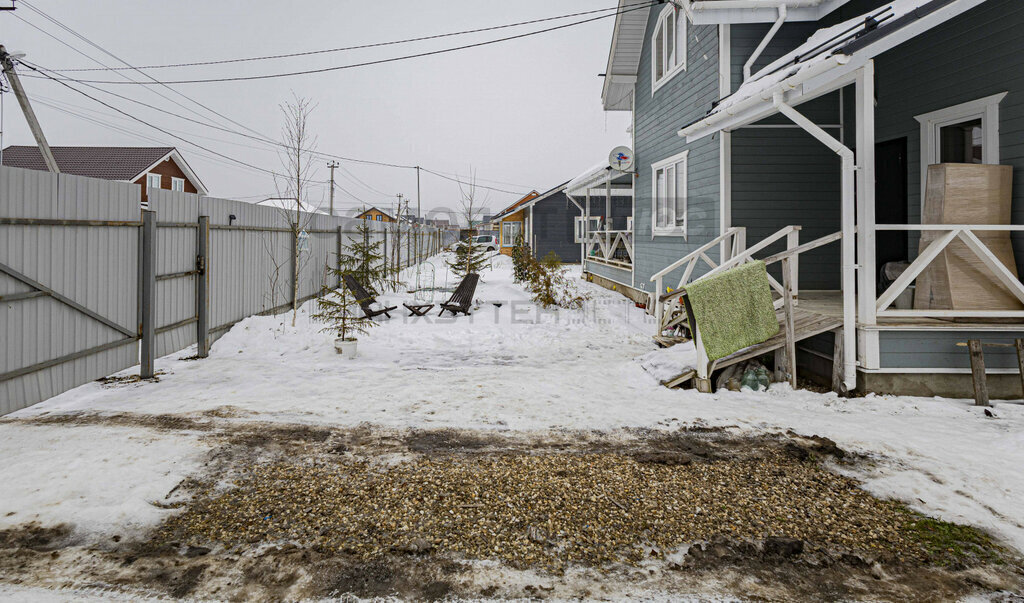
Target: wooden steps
[[805, 325]]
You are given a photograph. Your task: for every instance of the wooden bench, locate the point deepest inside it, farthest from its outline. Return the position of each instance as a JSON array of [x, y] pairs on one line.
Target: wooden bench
[[364, 298], [462, 298]]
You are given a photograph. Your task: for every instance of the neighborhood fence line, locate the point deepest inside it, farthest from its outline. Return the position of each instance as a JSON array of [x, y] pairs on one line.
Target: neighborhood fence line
[[91, 285]]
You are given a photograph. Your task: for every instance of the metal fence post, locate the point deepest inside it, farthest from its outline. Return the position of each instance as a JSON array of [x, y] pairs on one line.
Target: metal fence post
[[203, 287], [147, 288]]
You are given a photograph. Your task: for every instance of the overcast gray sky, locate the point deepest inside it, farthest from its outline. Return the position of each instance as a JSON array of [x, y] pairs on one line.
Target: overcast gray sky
[[523, 113]]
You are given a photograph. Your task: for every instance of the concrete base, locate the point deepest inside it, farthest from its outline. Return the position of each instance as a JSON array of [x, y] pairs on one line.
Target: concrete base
[[640, 297], [1000, 387]]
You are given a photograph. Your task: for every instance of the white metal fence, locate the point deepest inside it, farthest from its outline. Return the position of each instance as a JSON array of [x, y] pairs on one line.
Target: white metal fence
[[89, 287]]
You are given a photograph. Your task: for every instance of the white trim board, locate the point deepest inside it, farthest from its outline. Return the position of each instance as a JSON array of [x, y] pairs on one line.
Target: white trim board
[[674, 231], [682, 46], [986, 108]]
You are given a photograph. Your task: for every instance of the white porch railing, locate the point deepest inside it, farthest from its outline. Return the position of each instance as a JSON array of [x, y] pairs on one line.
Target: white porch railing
[[604, 246], [950, 232], [668, 311]]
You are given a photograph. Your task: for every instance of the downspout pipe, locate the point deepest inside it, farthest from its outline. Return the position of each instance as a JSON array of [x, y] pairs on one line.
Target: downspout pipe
[[749, 65], [849, 227]]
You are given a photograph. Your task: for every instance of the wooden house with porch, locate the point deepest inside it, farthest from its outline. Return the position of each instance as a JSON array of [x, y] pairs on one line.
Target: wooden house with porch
[[854, 142]]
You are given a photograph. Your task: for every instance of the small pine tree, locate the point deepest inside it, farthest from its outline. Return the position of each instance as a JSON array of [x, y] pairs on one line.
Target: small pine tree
[[521, 260], [369, 266], [469, 258], [338, 308], [549, 285]]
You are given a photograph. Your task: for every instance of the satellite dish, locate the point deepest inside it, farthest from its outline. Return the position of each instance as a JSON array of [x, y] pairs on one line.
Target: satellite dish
[[621, 158]]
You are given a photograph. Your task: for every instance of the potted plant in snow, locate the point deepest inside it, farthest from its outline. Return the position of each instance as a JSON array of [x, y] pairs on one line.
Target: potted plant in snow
[[340, 311]]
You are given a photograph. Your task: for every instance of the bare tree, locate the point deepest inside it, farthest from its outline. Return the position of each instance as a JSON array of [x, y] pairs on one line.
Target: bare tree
[[293, 185], [467, 258]]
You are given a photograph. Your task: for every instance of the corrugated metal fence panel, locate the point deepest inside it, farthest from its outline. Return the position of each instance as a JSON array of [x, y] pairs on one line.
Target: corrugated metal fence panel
[[249, 266], [95, 266], [175, 298], [250, 270]]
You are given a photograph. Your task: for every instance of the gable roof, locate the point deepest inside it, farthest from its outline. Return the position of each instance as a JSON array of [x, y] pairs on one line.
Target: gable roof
[[515, 206], [368, 210], [624, 55], [106, 163], [826, 61], [630, 30]]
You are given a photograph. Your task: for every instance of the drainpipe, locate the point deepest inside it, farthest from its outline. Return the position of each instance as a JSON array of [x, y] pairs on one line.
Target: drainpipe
[[849, 267], [749, 65]]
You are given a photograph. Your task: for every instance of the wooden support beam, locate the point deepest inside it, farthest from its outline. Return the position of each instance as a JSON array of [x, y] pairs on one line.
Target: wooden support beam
[[1019, 344], [978, 372], [838, 386], [787, 298]]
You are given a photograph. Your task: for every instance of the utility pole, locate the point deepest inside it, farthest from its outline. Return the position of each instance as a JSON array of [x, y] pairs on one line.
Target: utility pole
[[419, 216], [332, 165], [7, 62]]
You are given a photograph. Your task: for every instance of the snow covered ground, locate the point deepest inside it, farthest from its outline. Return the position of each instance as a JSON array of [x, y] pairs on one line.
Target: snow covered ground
[[513, 367]]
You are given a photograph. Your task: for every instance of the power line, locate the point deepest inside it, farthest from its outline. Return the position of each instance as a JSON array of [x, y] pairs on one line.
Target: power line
[[368, 63], [346, 48], [258, 137], [262, 139], [126, 63], [159, 129]]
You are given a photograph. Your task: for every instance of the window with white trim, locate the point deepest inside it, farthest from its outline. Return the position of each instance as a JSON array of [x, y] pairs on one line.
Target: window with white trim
[[668, 46], [154, 180], [965, 133], [581, 232], [178, 184], [510, 232], [668, 203]]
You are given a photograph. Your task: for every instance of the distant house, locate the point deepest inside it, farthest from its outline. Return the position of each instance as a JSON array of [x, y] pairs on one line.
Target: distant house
[[510, 222], [376, 215], [150, 167]]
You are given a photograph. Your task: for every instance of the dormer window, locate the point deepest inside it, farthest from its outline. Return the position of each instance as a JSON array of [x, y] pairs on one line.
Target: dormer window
[[668, 46]]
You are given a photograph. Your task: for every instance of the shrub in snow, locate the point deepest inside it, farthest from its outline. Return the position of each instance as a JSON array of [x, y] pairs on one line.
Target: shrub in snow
[[521, 256], [549, 285]]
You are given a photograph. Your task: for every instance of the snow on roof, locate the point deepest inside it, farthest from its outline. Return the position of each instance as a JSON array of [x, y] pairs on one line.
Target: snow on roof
[[845, 39], [594, 175]]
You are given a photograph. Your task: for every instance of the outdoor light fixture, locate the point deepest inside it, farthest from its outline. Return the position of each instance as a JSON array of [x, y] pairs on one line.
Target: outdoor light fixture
[[231, 219]]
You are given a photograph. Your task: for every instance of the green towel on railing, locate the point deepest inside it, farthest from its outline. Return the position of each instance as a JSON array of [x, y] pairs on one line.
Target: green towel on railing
[[733, 310]]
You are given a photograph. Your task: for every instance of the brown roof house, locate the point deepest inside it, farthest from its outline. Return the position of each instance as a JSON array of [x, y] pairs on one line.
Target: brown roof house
[[376, 215], [154, 167]]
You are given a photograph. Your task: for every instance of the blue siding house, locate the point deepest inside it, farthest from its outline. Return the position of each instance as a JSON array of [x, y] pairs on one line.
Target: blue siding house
[[804, 130]]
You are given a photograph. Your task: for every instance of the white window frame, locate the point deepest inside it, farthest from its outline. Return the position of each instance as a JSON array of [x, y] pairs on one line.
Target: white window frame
[[580, 233], [986, 109], [679, 53], [149, 180], [511, 241], [177, 184], [680, 159]]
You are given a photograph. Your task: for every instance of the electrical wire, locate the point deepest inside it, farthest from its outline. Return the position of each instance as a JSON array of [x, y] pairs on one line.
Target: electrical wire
[[242, 78], [344, 48], [162, 130], [129, 65]]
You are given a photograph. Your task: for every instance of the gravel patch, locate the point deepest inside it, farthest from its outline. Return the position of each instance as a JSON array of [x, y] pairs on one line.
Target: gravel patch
[[545, 510]]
